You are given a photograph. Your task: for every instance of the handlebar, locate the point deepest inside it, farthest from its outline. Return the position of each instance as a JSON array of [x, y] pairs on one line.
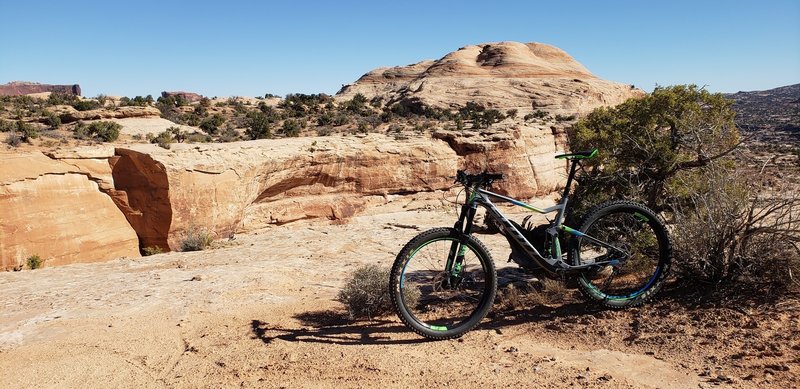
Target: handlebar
[[480, 179]]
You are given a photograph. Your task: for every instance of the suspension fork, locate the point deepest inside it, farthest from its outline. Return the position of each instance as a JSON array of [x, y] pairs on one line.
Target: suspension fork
[[455, 258]]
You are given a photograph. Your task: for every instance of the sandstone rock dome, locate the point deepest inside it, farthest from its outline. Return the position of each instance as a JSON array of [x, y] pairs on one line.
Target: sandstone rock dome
[[503, 75]]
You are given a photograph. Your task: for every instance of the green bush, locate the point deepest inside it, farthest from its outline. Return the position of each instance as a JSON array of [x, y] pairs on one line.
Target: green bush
[[58, 98], [104, 131], [86, 105], [26, 131], [52, 120], [259, 125], [211, 124], [196, 239], [7, 126], [646, 143], [34, 262], [292, 127], [137, 101], [163, 139]]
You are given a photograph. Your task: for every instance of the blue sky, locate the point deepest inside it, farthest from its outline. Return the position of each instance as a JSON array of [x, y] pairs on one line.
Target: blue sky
[[249, 48]]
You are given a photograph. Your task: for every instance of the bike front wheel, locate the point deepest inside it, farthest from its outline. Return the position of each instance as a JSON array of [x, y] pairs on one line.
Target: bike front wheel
[[435, 297], [631, 246]]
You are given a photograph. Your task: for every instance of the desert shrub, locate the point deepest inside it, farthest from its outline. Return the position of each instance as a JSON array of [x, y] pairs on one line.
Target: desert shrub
[[58, 98], [326, 119], [102, 99], [164, 139], [564, 118], [137, 101], [211, 124], [86, 105], [7, 126], [152, 250], [341, 119], [196, 239], [366, 293], [538, 114], [726, 231], [292, 127], [259, 125], [512, 113], [104, 131], [646, 143], [52, 120], [13, 140], [34, 262], [357, 105], [324, 131], [26, 131], [489, 117]]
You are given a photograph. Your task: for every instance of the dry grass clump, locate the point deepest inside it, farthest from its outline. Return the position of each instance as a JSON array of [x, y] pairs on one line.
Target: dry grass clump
[[366, 293], [545, 292], [196, 239]]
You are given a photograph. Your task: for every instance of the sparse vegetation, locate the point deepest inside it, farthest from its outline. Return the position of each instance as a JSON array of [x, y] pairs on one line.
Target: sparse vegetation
[[196, 239], [104, 131], [152, 250], [13, 140], [137, 101], [673, 151], [365, 293], [34, 262], [86, 105]]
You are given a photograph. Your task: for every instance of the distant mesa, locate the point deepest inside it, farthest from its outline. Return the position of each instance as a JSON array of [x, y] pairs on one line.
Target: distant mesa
[[17, 88], [503, 75], [189, 97]]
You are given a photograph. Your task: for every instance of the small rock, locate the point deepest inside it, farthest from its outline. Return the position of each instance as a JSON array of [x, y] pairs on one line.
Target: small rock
[[605, 378], [197, 278], [512, 349]]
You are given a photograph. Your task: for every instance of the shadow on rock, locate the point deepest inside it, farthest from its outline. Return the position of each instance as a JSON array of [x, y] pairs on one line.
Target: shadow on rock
[[332, 327]]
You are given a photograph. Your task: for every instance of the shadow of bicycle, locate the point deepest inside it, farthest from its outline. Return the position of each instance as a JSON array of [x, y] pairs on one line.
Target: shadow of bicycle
[[332, 327]]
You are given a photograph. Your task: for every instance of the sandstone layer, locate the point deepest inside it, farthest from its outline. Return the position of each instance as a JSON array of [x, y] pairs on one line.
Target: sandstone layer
[[57, 210], [227, 188], [17, 88], [503, 75]]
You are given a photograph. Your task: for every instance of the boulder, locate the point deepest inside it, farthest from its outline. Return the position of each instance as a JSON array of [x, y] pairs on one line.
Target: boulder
[[189, 97]]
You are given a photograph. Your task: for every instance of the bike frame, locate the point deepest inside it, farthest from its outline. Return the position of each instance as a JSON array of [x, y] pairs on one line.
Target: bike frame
[[554, 264]]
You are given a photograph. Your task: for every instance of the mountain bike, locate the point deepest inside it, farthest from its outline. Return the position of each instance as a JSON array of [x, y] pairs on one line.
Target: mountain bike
[[443, 282]]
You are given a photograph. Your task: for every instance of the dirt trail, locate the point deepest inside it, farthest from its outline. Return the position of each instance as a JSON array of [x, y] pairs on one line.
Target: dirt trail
[[261, 312]]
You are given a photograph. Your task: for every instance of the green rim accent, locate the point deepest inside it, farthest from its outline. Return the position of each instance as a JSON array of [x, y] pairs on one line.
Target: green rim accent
[[439, 328], [641, 217]]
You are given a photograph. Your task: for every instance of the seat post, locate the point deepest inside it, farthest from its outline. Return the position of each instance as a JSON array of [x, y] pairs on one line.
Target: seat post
[[572, 169]]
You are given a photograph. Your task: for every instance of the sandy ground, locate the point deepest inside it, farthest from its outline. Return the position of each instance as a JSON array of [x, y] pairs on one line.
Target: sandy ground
[[260, 311]]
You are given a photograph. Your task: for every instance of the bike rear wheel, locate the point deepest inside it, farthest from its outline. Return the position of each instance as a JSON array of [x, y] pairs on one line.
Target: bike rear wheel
[[437, 304], [637, 265]]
